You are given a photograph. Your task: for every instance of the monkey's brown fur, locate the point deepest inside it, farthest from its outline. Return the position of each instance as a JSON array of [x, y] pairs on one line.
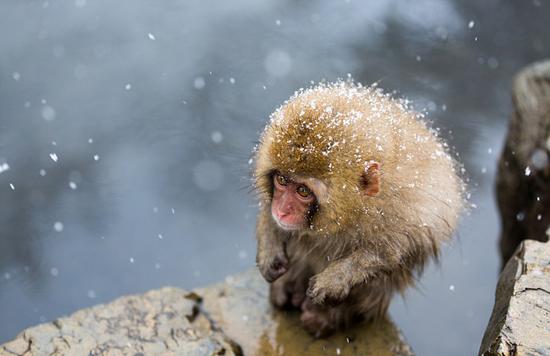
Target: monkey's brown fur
[[358, 250]]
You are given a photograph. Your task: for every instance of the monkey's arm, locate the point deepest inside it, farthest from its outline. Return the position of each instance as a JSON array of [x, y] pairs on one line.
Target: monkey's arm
[[271, 255], [334, 283]]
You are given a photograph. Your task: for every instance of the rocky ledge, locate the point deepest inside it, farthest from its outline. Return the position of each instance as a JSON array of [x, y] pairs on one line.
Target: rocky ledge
[[520, 323], [232, 318]]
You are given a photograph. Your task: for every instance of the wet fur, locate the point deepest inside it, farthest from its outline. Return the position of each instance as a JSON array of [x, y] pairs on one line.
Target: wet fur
[[358, 250]]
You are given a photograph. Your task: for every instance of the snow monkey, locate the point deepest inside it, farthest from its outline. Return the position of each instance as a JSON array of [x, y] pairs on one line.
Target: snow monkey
[[356, 196]]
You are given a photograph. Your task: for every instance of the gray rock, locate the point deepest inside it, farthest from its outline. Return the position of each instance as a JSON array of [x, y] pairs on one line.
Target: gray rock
[[520, 322], [165, 321], [229, 318], [523, 180]]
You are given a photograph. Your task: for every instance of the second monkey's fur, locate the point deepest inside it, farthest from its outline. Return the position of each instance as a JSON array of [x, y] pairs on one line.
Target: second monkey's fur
[[357, 250]]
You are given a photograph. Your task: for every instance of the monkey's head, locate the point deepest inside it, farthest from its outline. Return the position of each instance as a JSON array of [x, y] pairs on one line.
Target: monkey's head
[[314, 170]]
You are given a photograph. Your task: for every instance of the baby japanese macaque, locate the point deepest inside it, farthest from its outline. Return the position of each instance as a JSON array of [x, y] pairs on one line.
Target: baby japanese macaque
[[356, 195]]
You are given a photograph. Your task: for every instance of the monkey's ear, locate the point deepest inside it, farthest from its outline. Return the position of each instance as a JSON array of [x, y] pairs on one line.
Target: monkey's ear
[[371, 178]]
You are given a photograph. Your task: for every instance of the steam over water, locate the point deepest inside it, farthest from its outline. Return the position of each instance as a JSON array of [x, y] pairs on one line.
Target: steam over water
[[126, 128]]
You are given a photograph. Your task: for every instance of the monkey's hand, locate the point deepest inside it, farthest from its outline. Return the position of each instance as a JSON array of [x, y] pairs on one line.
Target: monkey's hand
[[272, 264], [329, 287]]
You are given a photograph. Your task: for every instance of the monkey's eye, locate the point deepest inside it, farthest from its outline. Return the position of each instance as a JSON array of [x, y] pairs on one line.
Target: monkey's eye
[[281, 180], [303, 191]]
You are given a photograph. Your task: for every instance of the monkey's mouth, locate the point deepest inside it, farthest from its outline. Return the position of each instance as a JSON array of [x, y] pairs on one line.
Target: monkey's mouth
[[286, 226]]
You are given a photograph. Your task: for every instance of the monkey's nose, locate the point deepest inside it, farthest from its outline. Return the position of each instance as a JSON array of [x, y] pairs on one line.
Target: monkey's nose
[[284, 212], [287, 209]]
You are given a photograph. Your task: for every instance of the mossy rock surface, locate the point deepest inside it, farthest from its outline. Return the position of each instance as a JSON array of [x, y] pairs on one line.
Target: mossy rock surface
[[240, 307]]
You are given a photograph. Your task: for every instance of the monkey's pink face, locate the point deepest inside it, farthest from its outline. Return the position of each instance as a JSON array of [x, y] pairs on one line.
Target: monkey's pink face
[[291, 204]]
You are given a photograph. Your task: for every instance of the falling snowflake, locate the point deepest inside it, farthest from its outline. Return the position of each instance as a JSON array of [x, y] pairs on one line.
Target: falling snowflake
[[520, 216], [48, 113], [278, 63], [4, 167], [58, 226], [199, 83], [216, 136]]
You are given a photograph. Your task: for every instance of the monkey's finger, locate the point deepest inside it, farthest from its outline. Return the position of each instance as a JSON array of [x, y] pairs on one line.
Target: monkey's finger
[[275, 269], [317, 295]]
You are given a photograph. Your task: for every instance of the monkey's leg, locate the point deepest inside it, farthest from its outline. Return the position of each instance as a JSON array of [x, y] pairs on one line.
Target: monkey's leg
[[322, 321], [289, 291], [373, 300]]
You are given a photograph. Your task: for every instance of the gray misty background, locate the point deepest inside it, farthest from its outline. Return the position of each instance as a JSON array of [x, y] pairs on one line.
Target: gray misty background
[[126, 128]]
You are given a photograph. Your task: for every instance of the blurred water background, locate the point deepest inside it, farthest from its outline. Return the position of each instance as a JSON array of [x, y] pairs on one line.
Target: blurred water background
[[126, 128]]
